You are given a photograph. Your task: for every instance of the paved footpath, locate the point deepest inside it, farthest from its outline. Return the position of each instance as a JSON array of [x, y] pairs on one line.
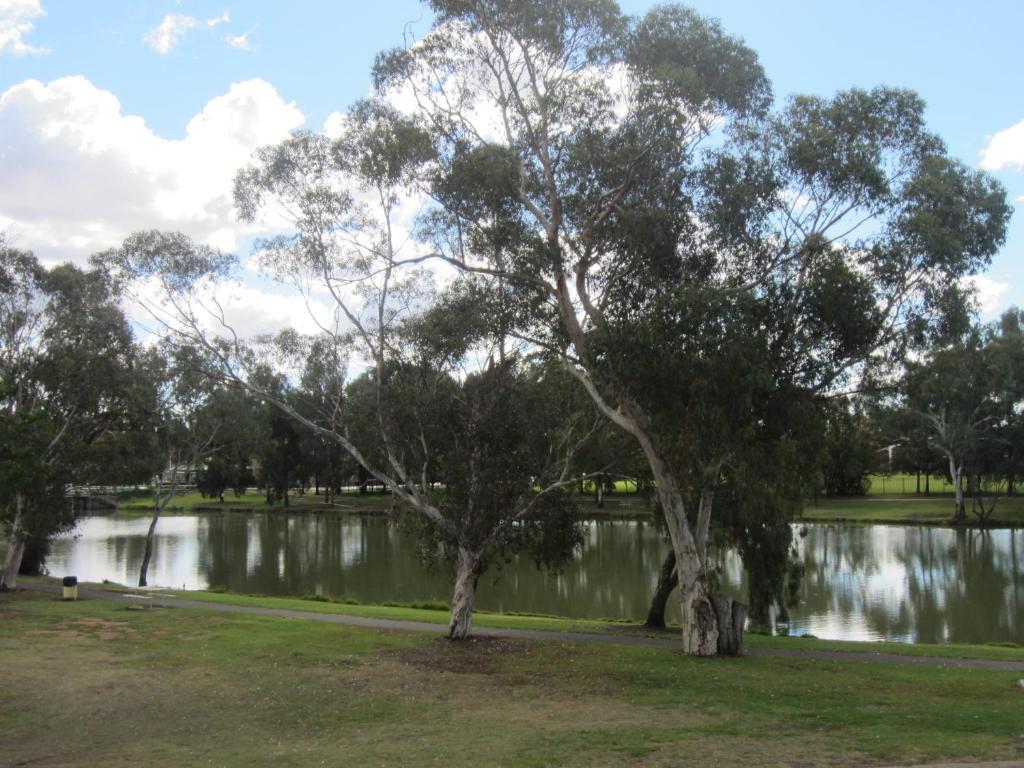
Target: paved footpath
[[143, 597]]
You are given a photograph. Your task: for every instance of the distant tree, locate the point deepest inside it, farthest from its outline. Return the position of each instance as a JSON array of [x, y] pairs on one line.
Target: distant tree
[[951, 394], [1005, 346], [184, 439], [850, 452]]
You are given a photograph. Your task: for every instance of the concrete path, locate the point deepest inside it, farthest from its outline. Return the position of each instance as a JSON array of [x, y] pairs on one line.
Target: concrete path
[[669, 641]]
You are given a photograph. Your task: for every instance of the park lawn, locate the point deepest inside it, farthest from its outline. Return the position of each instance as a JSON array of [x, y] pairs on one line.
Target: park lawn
[[94, 683], [193, 501], [437, 613], [902, 483], [907, 510]]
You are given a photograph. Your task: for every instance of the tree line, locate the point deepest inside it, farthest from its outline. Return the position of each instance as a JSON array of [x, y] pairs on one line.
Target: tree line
[[557, 237], [956, 412]]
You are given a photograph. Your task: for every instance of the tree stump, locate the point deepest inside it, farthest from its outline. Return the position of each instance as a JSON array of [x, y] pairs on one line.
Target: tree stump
[[732, 618]]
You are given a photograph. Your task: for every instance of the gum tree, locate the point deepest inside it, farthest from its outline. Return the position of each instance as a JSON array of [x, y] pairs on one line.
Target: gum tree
[[610, 169], [418, 415], [67, 385]]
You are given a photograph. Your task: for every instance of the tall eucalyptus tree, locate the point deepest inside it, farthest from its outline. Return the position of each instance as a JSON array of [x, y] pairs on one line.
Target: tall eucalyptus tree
[[615, 170]]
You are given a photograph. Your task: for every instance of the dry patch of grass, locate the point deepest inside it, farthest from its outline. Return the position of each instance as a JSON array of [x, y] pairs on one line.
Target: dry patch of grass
[[93, 684]]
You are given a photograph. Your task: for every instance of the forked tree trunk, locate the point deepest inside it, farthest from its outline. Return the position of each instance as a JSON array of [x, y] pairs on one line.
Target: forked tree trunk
[[15, 547], [667, 581], [699, 622], [467, 570]]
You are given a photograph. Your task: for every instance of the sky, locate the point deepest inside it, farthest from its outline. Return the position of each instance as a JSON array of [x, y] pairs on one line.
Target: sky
[[123, 115]]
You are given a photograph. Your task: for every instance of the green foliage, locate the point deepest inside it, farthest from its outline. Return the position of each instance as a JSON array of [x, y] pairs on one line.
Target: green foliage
[[850, 454], [71, 396]]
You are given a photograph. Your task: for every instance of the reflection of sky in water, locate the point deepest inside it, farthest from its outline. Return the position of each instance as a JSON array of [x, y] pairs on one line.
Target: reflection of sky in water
[[861, 582], [112, 548]]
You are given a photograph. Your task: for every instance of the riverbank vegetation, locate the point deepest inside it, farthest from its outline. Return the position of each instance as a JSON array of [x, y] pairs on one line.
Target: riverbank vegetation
[[913, 510], [103, 685]]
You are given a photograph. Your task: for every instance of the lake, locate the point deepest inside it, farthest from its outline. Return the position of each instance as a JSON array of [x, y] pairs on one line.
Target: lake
[[861, 582]]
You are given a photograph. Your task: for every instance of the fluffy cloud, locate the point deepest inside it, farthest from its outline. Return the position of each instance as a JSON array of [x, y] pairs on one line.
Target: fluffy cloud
[[16, 24], [88, 175], [989, 294], [1005, 149], [164, 37]]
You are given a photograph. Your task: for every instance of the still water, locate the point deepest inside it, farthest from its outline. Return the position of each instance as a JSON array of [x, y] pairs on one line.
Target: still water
[[860, 583]]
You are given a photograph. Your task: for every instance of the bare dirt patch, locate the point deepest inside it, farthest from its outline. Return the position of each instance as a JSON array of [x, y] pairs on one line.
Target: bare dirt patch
[[87, 627], [477, 655]]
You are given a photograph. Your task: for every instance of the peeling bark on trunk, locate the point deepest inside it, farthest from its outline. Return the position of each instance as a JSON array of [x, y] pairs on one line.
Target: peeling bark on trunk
[[732, 618], [699, 623], [15, 547], [667, 581], [466, 574]]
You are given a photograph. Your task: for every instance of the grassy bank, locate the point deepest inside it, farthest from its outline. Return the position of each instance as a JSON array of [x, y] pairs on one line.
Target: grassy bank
[[626, 504], [94, 683], [907, 511], [437, 613], [193, 501]]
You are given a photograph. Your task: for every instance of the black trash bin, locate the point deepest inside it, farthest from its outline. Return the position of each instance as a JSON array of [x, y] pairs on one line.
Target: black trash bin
[[70, 587]]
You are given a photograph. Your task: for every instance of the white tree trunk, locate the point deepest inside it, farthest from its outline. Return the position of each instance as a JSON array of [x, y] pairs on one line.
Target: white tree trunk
[[700, 625], [466, 573], [955, 472], [15, 548]]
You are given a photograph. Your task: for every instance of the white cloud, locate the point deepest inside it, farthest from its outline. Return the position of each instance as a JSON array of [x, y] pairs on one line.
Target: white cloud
[[989, 294], [89, 175], [241, 42], [16, 24], [1005, 148], [164, 37], [224, 18]]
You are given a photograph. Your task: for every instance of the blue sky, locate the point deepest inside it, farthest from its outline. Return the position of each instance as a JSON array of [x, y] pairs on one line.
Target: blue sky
[[300, 61]]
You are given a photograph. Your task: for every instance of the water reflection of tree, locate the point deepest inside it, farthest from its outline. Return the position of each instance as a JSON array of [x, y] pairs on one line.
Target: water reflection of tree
[[923, 584]]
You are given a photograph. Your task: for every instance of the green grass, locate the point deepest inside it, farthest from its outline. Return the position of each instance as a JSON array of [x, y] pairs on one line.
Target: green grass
[[193, 501], [907, 511], [437, 613], [92, 683], [902, 484]]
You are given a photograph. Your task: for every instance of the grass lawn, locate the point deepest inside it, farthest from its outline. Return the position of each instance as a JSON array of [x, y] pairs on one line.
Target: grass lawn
[[901, 484], [438, 614], [915, 509], [193, 501], [94, 683]]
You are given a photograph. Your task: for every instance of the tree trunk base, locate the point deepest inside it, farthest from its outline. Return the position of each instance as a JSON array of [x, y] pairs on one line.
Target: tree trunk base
[[732, 618], [467, 571]]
